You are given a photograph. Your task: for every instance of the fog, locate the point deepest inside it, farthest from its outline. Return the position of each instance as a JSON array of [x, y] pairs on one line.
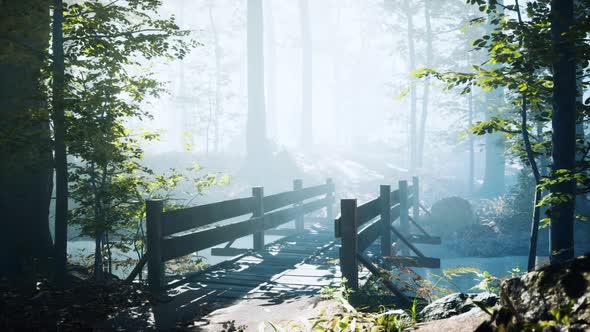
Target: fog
[[361, 76]]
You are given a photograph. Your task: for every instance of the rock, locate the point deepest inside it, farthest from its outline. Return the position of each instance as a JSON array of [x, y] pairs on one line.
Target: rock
[[450, 214], [456, 304], [549, 294]]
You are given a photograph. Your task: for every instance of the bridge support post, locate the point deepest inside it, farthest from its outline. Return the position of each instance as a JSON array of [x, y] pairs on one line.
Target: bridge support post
[[258, 193], [348, 248], [416, 200], [299, 221], [330, 197], [156, 278], [385, 199], [403, 214]]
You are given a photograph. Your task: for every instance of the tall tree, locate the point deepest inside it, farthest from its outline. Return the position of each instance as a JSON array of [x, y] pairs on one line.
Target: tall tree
[[426, 90], [26, 170], [306, 77], [218, 54], [59, 129], [413, 96], [256, 144], [271, 75], [563, 122], [495, 143]]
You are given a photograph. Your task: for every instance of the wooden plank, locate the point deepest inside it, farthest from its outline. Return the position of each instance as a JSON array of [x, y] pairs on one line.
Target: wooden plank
[[384, 196], [395, 197], [375, 271], [403, 218], [395, 212], [349, 243], [228, 252], [406, 242], [156, 276], [230, 281], [413, 261], [280, 200], [279, 217], [186, 219], [330, 198], [258, 236], [416, 200], [281, 231], [178, 246], [137, 268], [368, 211], [300, 220], [311, 192], [425, 209], [418, 226], [423, 239], [369, 234], [315, 205]]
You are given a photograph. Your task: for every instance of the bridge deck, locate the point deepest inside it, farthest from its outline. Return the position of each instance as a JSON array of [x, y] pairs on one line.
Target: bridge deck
[[293, 267]]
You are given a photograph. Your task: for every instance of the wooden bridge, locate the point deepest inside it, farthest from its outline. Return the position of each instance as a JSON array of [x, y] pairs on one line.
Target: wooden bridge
[[301, 263]]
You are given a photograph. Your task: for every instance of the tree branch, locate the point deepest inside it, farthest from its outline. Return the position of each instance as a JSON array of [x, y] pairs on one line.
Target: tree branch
[[115, 35], [25, 44]]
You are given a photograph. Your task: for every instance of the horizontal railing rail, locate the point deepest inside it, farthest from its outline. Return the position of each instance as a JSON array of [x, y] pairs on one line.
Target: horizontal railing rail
[[176, 233], [359, 226]]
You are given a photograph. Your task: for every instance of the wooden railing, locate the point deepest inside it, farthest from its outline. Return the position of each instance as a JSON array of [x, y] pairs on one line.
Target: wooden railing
[[176, 233], [360, 226]]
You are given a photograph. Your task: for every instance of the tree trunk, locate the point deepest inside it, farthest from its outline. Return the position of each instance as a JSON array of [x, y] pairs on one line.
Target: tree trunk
[[538, 193], [306, 77], [256, 145], [426, 91], [217, 52], [495, 144], [337, 86], [271, 78], [413, 99], [61, 164], [471, 174], [26, 170], [563, 122]]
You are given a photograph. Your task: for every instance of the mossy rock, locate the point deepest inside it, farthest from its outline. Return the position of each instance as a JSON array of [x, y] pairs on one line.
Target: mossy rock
[[555, 297], [450, 214]]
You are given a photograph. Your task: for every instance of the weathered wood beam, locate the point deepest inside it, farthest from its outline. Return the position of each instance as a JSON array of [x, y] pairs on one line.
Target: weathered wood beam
[[413, 261], [422, 239], [181, 220], [369, 234], [228, 252], [369, 210], [384, 279], [402, 238]]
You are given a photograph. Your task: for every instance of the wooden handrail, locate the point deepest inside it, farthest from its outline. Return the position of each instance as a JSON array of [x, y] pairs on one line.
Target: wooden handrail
[[176, 233], [388, 284], [418, 226], [359, 227], [425, 209]]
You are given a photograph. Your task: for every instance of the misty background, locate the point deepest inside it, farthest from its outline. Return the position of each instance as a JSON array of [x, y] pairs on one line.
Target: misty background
[[360, 81]]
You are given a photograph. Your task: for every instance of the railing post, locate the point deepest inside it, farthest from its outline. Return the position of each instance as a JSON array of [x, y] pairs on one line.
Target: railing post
[[416, 200], [385, 198], [403, 214], [156, 278], [299, 226], [348, 248], [258, 237], [330, 197]]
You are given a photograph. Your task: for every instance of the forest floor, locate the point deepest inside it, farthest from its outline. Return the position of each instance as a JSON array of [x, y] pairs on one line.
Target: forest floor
[[42, 307]]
